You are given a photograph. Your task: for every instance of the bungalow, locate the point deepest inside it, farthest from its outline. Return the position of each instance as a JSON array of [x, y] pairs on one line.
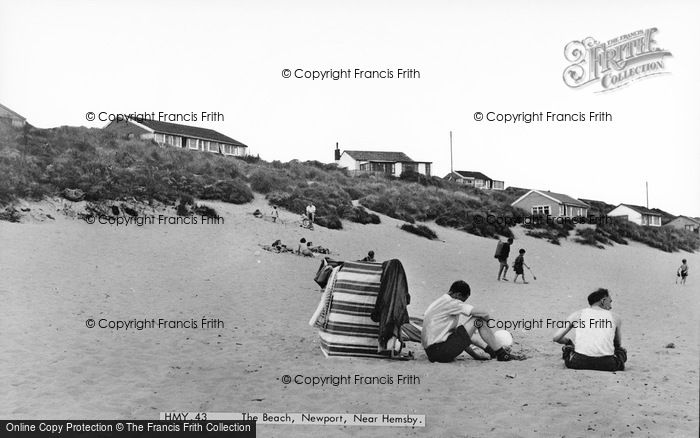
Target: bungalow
[[550, 203], [685, 223], [474, 179], [179, 136], [637, 214], [386, 163], [11, 117]]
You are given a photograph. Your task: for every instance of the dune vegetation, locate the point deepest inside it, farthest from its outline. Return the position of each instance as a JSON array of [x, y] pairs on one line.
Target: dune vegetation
[[37, 163]]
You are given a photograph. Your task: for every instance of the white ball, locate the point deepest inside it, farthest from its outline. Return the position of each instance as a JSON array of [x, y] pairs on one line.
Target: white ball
[[503, 337]]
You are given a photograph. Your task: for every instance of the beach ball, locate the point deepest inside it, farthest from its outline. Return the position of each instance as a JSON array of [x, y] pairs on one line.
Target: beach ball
[[503, 337]]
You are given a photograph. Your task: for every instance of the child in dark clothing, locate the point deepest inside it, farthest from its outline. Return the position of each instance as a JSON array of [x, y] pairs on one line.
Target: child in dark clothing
[[518, 266], [682, 272]]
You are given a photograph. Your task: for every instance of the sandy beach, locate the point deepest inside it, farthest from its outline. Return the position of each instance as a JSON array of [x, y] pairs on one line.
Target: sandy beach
[[56, 274]]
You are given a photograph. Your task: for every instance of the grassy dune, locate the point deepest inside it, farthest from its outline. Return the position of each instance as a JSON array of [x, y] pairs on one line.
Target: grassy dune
[[36, 163]]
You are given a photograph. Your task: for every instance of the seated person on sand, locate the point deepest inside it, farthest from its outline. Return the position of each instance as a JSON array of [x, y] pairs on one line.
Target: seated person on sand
[[303, 248], [257, 213], [369, 258], [277, 246], [598, 343], [280, 247], [318, 249], [450, 325]]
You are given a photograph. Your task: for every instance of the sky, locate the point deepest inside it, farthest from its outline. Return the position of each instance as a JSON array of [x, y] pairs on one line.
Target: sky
[[61, 59]]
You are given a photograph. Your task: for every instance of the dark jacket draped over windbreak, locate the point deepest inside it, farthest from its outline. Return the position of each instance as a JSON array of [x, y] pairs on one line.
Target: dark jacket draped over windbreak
[[390, 310]]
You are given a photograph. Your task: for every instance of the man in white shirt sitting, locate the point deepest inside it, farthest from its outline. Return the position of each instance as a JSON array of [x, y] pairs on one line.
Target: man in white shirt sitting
[[449, 325], [598, 340]]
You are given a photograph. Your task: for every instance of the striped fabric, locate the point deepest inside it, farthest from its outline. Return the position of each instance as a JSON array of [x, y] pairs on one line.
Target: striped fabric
[[350, 330]]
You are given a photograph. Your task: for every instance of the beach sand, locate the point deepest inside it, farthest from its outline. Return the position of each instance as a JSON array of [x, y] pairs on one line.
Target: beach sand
[[56, 274]]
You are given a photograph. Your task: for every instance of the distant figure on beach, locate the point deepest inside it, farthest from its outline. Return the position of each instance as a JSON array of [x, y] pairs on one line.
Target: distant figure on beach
[[682, 272], [311, 212], [598, 343], [369, 257], [502, 253], [275, 214], [450, 325], [257, 213], [518, 266]]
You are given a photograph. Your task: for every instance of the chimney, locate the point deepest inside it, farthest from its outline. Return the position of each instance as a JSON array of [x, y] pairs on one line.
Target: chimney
[[337, 152]]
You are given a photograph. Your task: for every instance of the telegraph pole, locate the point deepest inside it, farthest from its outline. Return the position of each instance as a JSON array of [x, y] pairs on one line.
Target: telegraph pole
[[451, 168], [647, 183]]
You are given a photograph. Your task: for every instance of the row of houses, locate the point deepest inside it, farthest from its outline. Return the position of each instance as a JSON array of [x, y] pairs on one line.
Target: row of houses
[[396, 163], [536, 202], [541, 202]]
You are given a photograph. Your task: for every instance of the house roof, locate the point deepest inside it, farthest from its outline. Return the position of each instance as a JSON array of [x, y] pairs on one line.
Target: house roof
[[471, 174], [393, 157], [188, 131], [642, 210], [557, 197], [693, 220], [12, 113]]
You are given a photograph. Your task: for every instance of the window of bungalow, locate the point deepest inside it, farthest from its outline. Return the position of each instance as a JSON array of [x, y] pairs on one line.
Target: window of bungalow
[[540, 209], [192, 143], [213, 146]]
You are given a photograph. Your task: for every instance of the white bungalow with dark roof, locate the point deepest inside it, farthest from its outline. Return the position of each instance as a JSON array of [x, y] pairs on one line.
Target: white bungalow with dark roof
[[380, 162], [542, 202], [637, 214], [179, 136], [474, 179]]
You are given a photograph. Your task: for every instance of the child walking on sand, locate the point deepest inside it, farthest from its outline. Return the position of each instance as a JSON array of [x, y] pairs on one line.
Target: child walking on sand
[[518, 266], [682, 271]]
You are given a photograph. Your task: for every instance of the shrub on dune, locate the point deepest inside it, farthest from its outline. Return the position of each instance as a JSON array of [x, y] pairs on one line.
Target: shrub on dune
[[420, 230]]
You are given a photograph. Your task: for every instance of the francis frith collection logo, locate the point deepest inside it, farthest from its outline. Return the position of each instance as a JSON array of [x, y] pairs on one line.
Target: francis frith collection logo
[[614, 63]]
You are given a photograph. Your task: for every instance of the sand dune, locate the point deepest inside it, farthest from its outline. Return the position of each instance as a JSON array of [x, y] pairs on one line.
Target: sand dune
[[57, 273]]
